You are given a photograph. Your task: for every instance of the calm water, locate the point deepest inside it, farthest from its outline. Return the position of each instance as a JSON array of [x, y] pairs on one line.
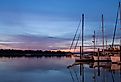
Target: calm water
[[54, 70]]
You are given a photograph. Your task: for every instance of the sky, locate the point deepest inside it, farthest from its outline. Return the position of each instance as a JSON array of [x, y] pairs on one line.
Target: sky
[[51, 24]]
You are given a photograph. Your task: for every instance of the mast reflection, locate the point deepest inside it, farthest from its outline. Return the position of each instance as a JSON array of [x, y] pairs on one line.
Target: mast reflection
[[95, 72]]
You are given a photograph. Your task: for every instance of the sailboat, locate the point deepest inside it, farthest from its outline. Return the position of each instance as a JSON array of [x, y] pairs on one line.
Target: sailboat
[[115, 56], [102, 57]]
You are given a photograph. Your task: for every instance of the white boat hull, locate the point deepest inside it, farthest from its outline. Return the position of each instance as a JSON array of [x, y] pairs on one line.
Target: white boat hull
[[115, 58]]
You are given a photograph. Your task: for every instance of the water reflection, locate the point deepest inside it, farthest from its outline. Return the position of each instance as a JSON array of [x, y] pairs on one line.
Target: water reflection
[[54, 69], [95, 72], [45, 69]]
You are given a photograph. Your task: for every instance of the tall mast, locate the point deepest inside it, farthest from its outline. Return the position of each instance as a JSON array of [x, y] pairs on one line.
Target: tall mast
[[120, 20], [81, 48], [119, 10], [82, 33], [106, 42], [120, 27], [120, 13], [103, 33], [94, 41], [120, 41]]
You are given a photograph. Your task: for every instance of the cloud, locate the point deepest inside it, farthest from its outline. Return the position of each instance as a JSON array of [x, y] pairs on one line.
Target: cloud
[[34, 42]]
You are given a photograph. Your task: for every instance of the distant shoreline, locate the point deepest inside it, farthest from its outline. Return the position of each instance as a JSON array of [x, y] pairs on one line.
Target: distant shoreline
[[31, 53]]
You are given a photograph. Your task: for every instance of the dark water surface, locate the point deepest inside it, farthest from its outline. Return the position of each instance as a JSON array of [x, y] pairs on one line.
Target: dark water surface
[[54, 69]]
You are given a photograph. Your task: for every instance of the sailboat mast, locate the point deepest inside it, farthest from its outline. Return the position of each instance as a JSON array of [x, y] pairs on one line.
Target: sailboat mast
[[103, 33], [94, 41], [120, 20], [106, 42], [120, 27], [120, 41], [82, 33], [119, 9], [120, 13]]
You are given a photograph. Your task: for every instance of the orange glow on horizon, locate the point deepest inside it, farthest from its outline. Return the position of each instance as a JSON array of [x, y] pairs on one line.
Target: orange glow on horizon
[[72, 50]]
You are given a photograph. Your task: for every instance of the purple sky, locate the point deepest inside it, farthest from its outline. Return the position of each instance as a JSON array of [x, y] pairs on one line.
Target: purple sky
[[51, 24]]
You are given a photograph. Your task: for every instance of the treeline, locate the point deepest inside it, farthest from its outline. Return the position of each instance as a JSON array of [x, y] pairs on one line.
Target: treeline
[[31, 53]]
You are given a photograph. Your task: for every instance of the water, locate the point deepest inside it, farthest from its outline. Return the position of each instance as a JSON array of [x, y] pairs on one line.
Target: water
[[53, 69]]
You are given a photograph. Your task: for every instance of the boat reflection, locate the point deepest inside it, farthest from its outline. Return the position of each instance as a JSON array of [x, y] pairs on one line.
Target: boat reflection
[[95, 72]]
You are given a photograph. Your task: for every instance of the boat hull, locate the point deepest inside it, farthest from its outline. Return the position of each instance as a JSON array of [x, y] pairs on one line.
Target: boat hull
[[115, 59]]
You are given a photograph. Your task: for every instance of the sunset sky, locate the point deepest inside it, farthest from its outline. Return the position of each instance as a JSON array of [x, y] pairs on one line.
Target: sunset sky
[[51, 24]]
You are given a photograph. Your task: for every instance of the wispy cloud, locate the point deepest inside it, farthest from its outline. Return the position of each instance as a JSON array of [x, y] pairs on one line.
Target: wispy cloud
[[34, 42]]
